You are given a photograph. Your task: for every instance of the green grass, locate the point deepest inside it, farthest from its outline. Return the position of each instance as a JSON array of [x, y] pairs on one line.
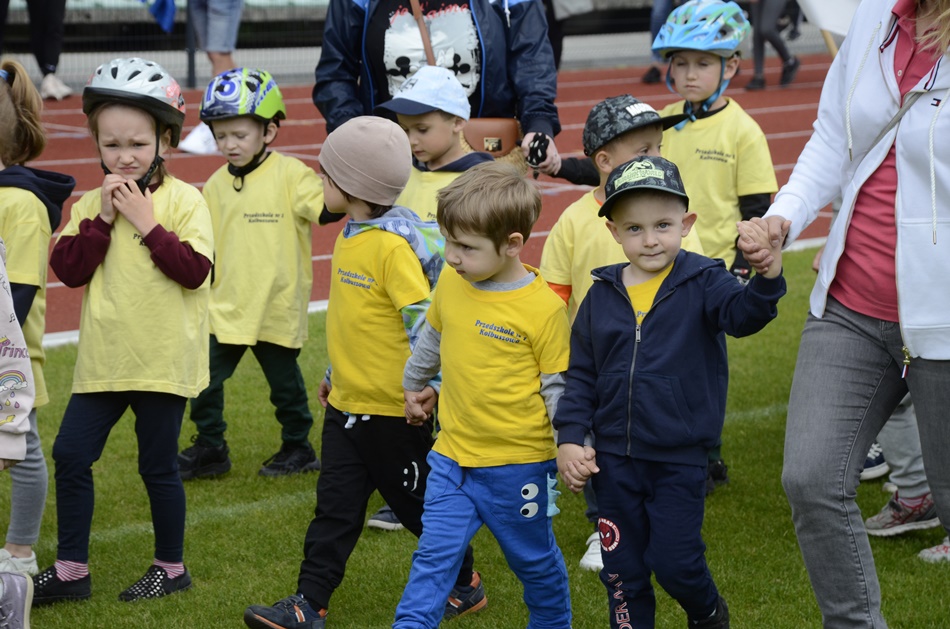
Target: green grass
[[245, 533]]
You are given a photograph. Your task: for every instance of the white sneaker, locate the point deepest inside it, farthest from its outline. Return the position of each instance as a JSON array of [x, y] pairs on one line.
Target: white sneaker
[[592, 559], [9, 563], [938, 553], [200, 141], [51, 88]]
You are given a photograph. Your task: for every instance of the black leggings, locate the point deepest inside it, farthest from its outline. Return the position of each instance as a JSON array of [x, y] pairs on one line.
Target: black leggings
[[765, 15], [46, 30]]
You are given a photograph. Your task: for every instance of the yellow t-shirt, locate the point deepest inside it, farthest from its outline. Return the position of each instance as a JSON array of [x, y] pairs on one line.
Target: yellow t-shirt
[[494, 348], [643, 294], [139, 329], [419, 195], [721, 158], [374, 274], [24, 226], [263, 272], [580, 242]]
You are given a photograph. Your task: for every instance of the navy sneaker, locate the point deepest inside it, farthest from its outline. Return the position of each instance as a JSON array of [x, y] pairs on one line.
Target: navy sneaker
[[155, 584], [466, 600], [293, 612], [719, 619], [385, 520], [874, 465], [48, 588], [293, 458]]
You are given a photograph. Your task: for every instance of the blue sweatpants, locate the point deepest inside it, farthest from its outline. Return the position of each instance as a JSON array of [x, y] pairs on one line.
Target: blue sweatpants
[[651, 519], [513, 502]]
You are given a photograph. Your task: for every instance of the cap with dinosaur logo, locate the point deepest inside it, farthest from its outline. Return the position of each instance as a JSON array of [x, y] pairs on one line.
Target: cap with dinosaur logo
[[643, 173]]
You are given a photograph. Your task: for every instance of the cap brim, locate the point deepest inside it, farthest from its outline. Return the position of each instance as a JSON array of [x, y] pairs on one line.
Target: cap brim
[[405, 107], [609, 203]]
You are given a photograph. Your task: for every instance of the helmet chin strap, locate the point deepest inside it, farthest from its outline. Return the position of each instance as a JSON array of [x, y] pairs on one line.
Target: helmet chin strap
[[688, 109], [239, 172], [143, 182]]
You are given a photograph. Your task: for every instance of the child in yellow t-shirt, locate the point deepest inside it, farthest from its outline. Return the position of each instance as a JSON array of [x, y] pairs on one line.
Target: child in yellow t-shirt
[[262, 206], [385, 262], [500, 336], [721, 150], [142, 246], [31, 206], [433, 108]]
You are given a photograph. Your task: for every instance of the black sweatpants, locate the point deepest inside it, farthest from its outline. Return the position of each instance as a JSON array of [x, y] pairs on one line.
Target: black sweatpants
[[377, 453], [46, 30]]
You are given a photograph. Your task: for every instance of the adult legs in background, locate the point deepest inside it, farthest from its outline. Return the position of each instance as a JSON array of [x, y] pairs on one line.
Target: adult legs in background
[[659, 12], [765, 16]]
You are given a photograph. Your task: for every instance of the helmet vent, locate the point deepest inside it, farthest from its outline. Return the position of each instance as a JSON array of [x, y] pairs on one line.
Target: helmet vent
[[134, 74], [115, 72]]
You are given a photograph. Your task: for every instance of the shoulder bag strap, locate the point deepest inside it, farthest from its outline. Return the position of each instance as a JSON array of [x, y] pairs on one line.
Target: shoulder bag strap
[[423, 31]]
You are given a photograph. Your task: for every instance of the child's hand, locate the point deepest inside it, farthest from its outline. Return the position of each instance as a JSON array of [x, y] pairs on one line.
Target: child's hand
[[109, 186], [419, 405], [6, 464], [135, 206], [576, 464], [765, 251], [323, 392]]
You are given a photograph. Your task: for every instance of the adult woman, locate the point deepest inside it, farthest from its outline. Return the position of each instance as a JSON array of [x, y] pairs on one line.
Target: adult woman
[[877, 327], [499, 51]]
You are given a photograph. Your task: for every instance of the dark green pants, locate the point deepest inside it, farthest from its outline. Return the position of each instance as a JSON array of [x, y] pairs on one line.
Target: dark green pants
[[288, 393]]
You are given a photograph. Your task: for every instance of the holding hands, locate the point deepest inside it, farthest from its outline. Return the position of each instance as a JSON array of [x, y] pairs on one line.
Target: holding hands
[[760, 241], [419, 405], [576, 465]]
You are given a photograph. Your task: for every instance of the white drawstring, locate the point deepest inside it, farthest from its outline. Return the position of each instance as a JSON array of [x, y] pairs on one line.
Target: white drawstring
[[933, 175]]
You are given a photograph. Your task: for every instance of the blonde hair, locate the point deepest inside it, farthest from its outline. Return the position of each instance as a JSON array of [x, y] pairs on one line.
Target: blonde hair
[[492, 200], [22, 138], [938, 38]]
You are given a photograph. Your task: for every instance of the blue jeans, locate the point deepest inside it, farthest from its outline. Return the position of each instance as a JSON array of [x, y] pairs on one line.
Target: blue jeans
[[512, 501], [847, 383]]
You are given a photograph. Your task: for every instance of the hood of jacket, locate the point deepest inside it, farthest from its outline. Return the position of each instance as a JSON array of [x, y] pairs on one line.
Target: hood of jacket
[[458, 166], [51, 188], [425, 238]]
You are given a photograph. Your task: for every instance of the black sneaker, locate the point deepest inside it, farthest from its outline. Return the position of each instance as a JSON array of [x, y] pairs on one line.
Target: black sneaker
[[651, 76], [756, 83], [789, 70], [156, 584], [48, 588], [466, 600], [717, 473], [719, 620], [203, 460], [293, 612], [293, 458]]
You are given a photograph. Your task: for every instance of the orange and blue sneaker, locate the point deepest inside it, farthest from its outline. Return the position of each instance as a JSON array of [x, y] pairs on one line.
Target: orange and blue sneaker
[[293, 612], [466, 600]]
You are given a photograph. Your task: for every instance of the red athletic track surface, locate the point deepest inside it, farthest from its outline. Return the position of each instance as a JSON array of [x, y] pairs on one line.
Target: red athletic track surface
[[785, 115]]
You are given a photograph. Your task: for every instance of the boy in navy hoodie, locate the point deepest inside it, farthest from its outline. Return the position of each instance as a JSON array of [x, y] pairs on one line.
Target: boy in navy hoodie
[[647, 379]]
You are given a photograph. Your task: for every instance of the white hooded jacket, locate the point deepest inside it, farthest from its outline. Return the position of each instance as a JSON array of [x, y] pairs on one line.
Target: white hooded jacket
[[860, 96]]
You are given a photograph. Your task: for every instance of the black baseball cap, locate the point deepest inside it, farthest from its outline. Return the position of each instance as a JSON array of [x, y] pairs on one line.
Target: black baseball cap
[[643, 173], [617, 115]]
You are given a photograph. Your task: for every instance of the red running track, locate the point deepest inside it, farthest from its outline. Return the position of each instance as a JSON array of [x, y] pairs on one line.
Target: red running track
[[786, 116]]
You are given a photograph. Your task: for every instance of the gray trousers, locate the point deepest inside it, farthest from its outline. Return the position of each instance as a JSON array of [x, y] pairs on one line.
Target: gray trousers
[[847, 384], [28, 494], [901, 443]]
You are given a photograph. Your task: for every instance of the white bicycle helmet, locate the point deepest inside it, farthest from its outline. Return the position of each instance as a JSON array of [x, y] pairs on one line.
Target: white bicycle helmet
[[141, 83]]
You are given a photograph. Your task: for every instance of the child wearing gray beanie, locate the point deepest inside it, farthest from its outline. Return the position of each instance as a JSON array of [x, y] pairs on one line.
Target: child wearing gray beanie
[[369, 159], [385, 265]]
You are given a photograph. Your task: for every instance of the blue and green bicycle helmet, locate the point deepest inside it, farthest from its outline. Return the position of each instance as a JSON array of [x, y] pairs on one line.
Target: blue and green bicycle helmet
[[711, 26], [243, 92]]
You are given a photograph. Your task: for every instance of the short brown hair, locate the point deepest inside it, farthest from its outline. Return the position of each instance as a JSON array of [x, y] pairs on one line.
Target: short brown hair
[[492, 200]]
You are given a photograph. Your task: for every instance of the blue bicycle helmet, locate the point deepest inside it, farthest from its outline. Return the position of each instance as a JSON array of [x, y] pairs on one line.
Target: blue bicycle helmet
[[711, 26], [243, 92]]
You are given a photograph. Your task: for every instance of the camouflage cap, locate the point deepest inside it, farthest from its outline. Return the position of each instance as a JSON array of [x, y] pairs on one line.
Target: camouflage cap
[[617, 115], [642, 173]]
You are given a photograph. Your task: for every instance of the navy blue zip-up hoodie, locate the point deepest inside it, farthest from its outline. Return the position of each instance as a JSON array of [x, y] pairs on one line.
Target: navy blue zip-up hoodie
[[518, 78], [658, 391]]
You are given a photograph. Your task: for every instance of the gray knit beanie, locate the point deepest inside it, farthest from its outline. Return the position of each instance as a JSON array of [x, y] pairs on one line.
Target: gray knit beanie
[[368, 158]]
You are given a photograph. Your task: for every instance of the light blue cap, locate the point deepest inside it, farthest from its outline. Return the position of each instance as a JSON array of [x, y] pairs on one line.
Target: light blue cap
[[430, 88]]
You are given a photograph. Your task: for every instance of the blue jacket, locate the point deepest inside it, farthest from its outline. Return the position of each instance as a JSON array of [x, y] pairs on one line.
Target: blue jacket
[[657, 391], [518, 78]]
